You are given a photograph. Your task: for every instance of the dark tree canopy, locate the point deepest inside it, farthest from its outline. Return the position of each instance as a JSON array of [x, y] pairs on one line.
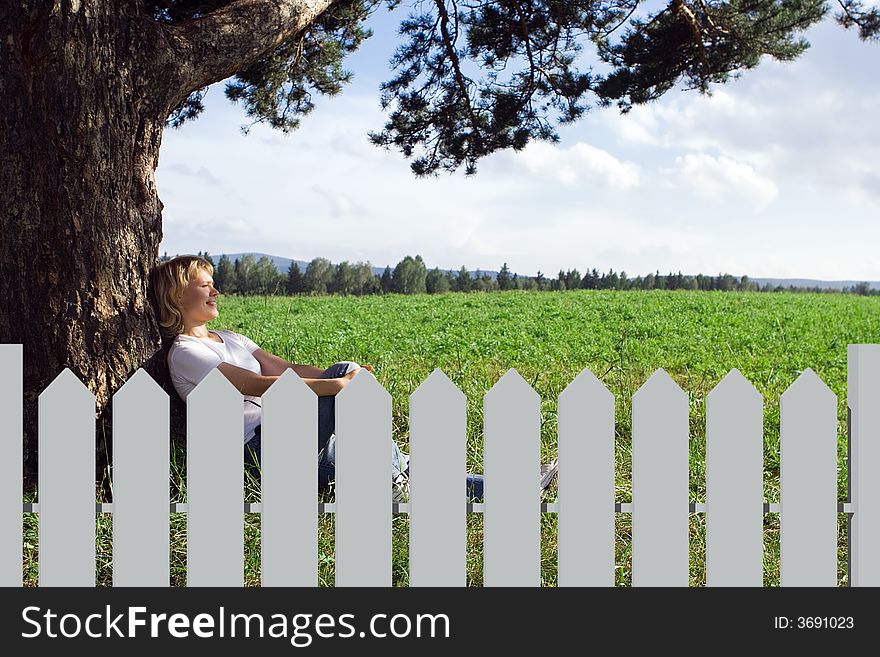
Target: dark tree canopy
[[472, 77]]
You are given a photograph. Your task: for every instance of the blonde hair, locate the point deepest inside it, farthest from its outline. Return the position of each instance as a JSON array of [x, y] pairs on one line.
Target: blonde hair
[[170, 279]]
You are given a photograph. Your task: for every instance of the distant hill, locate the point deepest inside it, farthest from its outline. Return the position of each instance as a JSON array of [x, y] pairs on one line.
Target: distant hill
[[283, 264], [809, 282]]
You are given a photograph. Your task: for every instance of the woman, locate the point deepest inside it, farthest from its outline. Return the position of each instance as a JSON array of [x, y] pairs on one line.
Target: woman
[[187, 302]]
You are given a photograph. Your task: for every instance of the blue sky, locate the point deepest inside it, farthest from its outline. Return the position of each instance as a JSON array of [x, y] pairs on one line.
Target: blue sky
[[775, 175]]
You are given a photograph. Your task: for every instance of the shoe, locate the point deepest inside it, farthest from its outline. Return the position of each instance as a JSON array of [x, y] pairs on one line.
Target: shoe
[[400, 488], [549, 472]]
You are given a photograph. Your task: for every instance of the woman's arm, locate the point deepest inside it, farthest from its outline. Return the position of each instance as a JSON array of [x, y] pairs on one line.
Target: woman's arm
[[272, 365], [245, 381], [250, 383]]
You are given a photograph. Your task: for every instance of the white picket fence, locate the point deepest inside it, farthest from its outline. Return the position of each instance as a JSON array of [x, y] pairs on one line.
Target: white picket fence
[[215, 512]]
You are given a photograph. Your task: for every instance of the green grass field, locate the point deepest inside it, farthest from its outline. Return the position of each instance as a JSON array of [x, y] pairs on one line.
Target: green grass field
[[622, 337]]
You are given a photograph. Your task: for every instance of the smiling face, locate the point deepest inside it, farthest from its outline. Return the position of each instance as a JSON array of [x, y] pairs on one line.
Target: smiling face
[[198, 304]]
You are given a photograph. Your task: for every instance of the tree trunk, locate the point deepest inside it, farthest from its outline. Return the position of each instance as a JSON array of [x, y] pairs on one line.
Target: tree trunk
[[80, 217]]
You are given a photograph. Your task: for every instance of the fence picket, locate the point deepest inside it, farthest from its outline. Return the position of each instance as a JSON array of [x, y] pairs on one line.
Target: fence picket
[[437, 469], [289, 538], [734, 483], [141, 454], [808, 481], [586, 483], [363, 483], [511, 520], [864, 463], [66, 483], [660, 483], [215, 484], [10, 464]]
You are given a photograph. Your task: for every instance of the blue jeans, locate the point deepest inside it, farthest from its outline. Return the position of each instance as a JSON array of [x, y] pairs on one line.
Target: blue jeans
[[327, 442]]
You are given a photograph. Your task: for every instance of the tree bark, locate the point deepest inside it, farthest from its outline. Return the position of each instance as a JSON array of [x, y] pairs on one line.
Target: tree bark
[[79, 212], [87, 87]]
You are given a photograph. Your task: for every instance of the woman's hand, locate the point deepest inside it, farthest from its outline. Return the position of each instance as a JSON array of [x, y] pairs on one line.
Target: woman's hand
[[346, 379]]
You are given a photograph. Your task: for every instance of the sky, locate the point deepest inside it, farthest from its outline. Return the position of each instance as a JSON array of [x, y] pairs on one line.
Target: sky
[[774, 175]]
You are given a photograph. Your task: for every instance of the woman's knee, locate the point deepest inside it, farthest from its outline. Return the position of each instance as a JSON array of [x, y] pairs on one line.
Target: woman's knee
[[345, 366]]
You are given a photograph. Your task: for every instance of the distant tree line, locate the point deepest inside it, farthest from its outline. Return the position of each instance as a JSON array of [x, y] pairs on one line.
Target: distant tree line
[[249, 276]]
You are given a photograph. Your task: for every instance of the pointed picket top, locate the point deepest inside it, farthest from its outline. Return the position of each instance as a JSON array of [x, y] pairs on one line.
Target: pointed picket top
[[215, 386], [66, 483], [734, 385], [586, 383], [586, 483], [808, 483], [440, 386], [363, 483], [734, 488], [289, 484], [660, 483], [288, 383], [511, 454], [140, 483], [660, 383], [511, 385], [438, 542], [67, 387], [364, 383], [215, 515], [808, 385], [141, 386]]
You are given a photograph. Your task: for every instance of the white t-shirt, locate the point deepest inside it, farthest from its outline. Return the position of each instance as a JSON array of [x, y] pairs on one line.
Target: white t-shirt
[[191, 359]]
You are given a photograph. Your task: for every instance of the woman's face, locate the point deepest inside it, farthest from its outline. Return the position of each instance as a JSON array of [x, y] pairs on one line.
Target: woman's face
[[199, 301]]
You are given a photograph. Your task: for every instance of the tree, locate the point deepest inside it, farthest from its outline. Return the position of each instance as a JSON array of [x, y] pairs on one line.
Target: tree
[[558, 283], [462, 281], [224, 275], [528, 283], [728, 283], [409, 276], [265, 277], [612, 280], [294, 279], [487, 283], [364, 281], [343, 279], [504, 281], [540, 282], [436, 282], [89, 88], [319, 276], [245, 279], [386, 283]]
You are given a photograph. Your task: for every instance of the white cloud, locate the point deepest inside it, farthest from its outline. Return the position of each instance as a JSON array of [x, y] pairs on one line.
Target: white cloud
[[580, 163], [719, 179], [806, 122], [338, 201], [687, 121]]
